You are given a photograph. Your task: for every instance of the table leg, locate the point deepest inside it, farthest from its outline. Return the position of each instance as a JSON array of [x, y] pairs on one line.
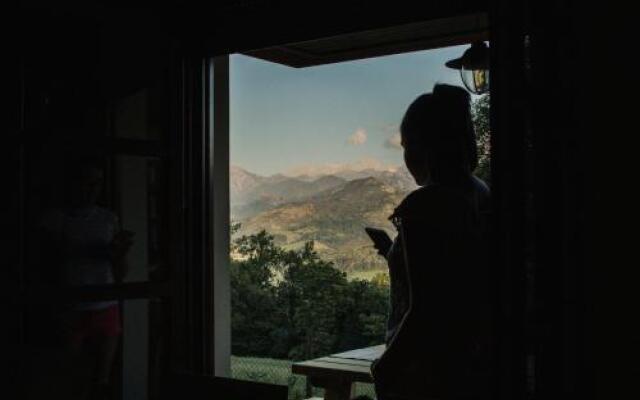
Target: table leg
[[338, 392], [334, 390]]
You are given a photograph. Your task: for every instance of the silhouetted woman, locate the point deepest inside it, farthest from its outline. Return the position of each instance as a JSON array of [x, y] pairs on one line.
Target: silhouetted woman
[[438, 339]]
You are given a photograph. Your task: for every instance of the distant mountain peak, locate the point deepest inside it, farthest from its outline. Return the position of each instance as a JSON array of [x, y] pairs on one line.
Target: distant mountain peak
[[341, 169], [334, 219], [328, 178]]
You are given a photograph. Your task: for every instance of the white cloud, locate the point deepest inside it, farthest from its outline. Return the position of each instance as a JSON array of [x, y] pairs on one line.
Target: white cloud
[[393, 142], [358, 137]]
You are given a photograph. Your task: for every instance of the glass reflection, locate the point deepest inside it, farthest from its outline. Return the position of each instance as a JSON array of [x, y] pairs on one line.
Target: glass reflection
[[96, 355]]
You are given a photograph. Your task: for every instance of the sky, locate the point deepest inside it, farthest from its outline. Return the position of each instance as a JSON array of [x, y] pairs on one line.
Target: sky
[[296, 121]]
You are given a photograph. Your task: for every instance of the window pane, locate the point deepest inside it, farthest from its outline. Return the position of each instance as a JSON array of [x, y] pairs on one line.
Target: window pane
[[87, 350], [140, 195], [95, 220], [142, 115]]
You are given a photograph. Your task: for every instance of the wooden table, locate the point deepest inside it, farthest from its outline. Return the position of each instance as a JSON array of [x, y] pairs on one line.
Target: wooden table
[[336, 373]]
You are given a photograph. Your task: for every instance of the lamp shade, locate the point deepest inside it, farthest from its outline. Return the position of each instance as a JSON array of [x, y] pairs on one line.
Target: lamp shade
[[473, 67]]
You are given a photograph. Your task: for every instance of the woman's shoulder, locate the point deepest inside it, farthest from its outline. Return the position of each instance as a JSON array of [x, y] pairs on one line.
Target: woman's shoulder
[[441, 202], [425, 201]]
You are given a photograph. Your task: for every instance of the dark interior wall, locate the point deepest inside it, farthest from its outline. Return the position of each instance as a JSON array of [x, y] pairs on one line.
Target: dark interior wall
[[59, 75], [73, 64], [608, 114], [94, 51], [236, 25], [72, 70], [252, 25], [560, 187], [585, 109]]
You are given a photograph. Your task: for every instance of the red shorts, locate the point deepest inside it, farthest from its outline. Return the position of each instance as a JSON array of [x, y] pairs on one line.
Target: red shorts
[[88, 324]]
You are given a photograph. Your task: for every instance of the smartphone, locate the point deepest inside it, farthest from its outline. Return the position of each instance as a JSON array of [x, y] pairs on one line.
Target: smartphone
[[381, 240]]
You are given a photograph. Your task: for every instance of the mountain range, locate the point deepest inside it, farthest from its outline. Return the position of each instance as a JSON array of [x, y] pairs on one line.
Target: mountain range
[[332, 210]]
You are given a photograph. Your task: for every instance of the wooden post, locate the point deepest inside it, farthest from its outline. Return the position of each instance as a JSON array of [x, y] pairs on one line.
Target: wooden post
[[219, 108]]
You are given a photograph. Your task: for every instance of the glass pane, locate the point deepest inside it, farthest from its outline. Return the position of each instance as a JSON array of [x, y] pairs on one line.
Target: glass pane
[[99, 350], [12, 274], [141, 115], [70, 224], [94, 220], [139, 191]]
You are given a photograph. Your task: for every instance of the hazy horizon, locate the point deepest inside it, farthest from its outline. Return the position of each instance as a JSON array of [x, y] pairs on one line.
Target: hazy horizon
[[329, 169]]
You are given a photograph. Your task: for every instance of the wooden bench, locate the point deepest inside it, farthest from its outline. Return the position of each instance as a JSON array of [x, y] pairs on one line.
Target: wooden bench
[[337, 373]]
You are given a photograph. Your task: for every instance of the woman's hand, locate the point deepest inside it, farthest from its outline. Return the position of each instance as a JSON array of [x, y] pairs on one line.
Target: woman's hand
[[381, 241]]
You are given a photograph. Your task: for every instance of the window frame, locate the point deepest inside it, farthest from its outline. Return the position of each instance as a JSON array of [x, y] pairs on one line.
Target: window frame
[[509, 142]]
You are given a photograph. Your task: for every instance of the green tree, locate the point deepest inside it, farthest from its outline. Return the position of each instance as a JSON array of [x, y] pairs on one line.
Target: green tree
[[312, 292], [293, 304], [253, 296], [365, 320], [481, 121]]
